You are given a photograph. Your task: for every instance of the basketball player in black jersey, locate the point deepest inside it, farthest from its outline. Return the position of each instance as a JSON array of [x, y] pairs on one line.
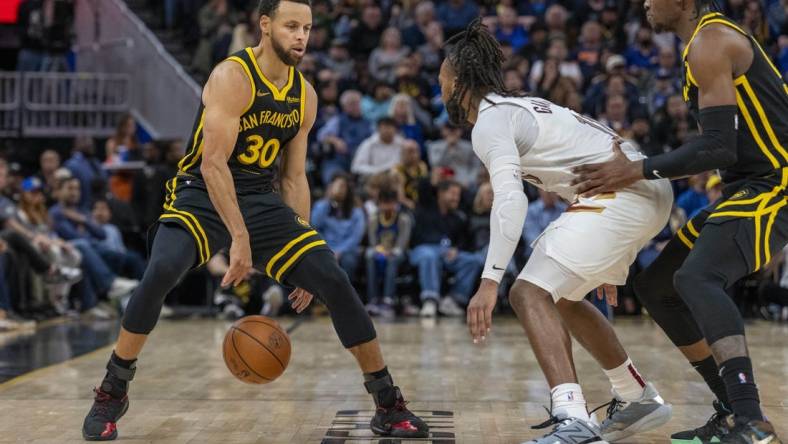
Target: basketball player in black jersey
[[741, 104], [256, 108]]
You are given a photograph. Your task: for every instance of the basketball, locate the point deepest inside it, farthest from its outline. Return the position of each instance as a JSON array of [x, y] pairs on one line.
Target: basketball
[[256, 349]]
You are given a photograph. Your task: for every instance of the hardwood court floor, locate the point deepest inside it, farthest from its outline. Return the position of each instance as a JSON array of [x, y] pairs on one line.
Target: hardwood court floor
[[470, 394]]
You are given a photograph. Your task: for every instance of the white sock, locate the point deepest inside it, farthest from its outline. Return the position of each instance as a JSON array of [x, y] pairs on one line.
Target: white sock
[[568, 400], [626, 381]]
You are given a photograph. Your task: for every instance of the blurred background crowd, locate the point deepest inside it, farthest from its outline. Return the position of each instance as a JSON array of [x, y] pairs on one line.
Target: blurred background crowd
[[397, 191]]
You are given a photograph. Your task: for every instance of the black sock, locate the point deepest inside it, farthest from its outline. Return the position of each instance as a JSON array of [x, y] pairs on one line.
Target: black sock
[[741, 388], [387, 396], [113, 385], [710, 373]]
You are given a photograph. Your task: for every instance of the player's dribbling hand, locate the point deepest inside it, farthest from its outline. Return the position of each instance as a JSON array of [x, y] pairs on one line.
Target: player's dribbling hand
[[240, 262], [300, 299], [479, 314], [613, 175], [608, 291]]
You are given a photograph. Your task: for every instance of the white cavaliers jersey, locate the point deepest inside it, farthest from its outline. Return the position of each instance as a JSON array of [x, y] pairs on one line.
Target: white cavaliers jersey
[[564, 139]]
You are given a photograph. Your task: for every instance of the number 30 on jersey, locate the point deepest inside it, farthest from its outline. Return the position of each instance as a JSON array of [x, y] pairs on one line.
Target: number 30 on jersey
[[259, 151]]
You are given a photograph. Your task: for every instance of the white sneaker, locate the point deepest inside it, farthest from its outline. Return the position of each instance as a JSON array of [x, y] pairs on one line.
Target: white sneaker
[[429, 309], [121, 287], [625, 419], [449, 307], [97, 313]]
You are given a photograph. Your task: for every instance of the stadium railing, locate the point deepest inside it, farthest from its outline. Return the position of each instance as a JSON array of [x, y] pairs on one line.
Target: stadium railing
[[111, 38]]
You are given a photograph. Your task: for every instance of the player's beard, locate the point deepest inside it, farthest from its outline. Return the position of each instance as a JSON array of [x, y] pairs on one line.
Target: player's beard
[[284, 54], [457, 114]]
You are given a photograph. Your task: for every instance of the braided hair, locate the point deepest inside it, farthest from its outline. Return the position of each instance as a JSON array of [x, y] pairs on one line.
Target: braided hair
[[476, 59]]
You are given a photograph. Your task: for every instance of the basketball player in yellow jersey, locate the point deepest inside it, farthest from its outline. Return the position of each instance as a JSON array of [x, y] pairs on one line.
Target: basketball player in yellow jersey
[[256, 107], [741, 104]]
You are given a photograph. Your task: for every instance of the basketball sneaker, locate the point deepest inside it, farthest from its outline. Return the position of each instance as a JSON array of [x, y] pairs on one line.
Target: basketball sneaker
[[569, 430], [713, 431], [101, 422], [745, 431], [627, 418], [397, 421]]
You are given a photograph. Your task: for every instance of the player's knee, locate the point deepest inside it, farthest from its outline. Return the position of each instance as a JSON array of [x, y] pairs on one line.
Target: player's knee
[[644, 286], [522, 295]]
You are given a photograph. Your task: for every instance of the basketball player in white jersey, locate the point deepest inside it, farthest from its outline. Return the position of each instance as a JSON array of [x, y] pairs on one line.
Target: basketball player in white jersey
[[590, 246]]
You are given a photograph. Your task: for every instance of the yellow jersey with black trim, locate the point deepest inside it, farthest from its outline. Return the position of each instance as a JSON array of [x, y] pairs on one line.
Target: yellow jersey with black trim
[[762, 100], [271, 119]]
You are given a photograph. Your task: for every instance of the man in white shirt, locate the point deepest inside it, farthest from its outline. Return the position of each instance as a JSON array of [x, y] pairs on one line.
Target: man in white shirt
[[592, 244], [380, 151]]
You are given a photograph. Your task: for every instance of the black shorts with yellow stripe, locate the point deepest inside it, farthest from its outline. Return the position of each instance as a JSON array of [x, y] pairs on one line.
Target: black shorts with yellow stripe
[[279, 238], [754, 213]]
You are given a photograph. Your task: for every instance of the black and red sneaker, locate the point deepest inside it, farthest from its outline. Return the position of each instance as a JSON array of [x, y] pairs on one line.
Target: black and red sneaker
[[100, 424], [397, 421]]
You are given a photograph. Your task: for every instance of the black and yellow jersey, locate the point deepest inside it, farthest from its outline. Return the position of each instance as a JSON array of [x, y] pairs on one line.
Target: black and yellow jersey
[[762, 100], [272, 118]]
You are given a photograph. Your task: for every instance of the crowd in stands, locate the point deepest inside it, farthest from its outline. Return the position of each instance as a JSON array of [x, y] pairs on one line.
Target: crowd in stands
[[398, 193]]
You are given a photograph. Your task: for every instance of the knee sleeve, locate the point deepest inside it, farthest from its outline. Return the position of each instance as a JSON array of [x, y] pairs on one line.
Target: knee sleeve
[[702, 288], [172, 255], [320, 274], [655, 290]]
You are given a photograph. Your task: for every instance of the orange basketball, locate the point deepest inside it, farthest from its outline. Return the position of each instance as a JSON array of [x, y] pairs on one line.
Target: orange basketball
[[256, 349]]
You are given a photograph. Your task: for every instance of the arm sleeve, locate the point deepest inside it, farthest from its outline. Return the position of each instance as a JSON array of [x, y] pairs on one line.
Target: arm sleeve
[[493, 142], [715, 148]]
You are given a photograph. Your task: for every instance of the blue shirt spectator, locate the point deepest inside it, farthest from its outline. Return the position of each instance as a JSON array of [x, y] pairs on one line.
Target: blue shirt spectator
[[509, 30], [456, 14], [86, 168], [341, 223], [694, 198], [540, 214]]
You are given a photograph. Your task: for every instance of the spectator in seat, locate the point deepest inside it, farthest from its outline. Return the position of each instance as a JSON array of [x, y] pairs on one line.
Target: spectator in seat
[[541, 213], [73, 224], [366, 36], [642, 54], [509, 29], [694, 198], [339, 61], [456, 14], [385, 58], [388, 233], [340, 221], [558, 52], [49, 163], [616, 115], [432, 50], [379, 152], [376, 106], [455, 153], [440, 243], [342, 135], [415, 35], [410, 171], [86, 168], [402, 112]]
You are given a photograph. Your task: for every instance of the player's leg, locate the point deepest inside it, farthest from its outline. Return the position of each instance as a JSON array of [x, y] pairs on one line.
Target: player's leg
[[172, 255], [726, 251], [319, 273], [636, 406]]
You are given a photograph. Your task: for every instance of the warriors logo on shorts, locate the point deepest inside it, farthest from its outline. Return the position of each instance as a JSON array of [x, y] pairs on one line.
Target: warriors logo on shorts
[[302, 222]]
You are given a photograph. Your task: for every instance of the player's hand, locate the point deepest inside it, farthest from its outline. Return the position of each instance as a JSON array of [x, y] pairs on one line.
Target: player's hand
[[479, 314], [240, 262], [608, 291], [300, 299], [613, 175]]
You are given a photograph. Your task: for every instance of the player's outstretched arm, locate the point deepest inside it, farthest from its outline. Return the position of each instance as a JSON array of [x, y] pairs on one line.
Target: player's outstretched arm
[[711, 59], [226, 95], [493, 142], [295, 187]]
